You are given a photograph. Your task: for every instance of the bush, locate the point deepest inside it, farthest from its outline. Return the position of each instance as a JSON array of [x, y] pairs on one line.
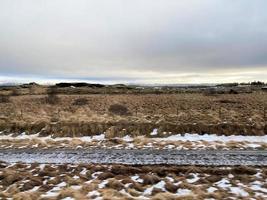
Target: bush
[[80, 102], [257, 83], [210, 92], [118, 109], [52, 97], [15, 92], [4, 98], [228, 101]]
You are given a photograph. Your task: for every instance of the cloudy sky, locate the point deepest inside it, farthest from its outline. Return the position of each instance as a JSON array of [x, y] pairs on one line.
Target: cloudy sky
[[134, 41]]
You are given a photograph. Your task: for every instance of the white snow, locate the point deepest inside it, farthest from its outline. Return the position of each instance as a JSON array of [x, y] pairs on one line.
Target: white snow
[[170, 179], [76, 187], [95, 194], [34, 189], [36, 136], [183, 192], [194, 179], [130, 146], [62, 184], [154, 132], [213, 138], [178, 137], [49, 194], [257, 186], [248, 141], [224, 183], [239, 191], [160, 185], [102, 184], [68, 198], [148, 191], [42, 166], [211, 189], [76, 177], [252, 145], [127, 138], [136, 178], [230, 176], [83, 172], [95, 174]]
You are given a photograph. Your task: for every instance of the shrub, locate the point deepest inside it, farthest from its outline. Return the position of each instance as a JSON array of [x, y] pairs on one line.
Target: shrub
[[15, 92], [210, 92], [118, 109], [52, 97], [4, 98], [257, 83], [80, 102], [228, 101]]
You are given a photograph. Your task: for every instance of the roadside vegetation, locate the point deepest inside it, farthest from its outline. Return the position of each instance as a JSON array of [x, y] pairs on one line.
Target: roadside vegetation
[[135, 114], [83, 181]]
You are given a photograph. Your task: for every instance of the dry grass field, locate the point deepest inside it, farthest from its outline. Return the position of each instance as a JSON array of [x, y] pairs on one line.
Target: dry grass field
[[76, 115], [132, 121]]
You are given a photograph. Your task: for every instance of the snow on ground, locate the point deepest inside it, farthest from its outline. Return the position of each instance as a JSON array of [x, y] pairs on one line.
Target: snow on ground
[[154, 132], [69, 182], [186, 141], [224, 183], [194, 179], [127, 138], [239, 191], [36, 136], [183, 192], [213, 138], [136, 178]]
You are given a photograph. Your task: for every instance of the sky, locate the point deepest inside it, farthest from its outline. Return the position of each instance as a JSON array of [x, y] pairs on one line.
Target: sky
[[133, 41]]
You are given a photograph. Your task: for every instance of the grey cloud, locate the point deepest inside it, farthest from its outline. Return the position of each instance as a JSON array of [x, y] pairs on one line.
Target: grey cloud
[[128, 40]]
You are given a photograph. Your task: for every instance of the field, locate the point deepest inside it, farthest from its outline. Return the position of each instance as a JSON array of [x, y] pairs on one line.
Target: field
[[78, 115], [68, 181], [43, 120]]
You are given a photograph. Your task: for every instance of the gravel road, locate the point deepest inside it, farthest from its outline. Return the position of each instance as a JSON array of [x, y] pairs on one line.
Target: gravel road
[[136, 157]]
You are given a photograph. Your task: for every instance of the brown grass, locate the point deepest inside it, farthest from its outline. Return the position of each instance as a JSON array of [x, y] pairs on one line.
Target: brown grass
[[105, 175], [167, 112], [164, 196], [26, 195], [118, 109], [19, 188], [4, 99], [150, 179], [171, 187], [114, 184], [244, 170], [80, 102], [69, 192]]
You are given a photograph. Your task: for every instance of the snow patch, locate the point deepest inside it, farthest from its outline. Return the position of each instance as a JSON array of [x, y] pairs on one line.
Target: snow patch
[[224, 183], [194, 179], [238, 191], [183, 192], [136, 178], [213, 138], [154, 132], [211, 189]]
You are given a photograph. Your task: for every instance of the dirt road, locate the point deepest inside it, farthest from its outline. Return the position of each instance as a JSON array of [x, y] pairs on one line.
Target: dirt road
[[137, 157]]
